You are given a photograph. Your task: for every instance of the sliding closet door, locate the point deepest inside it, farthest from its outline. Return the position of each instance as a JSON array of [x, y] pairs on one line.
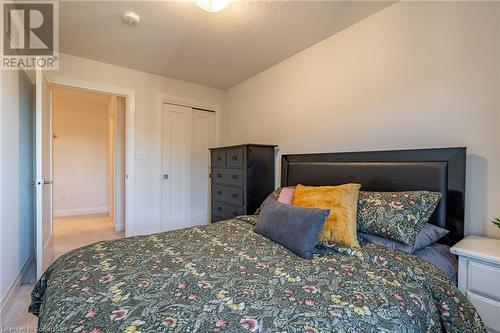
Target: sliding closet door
[[186, 136], [203, 138], [176, 166]]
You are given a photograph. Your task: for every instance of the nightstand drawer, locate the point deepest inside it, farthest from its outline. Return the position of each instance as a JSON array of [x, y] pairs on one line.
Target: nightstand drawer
[[484, 279], [488, 310]]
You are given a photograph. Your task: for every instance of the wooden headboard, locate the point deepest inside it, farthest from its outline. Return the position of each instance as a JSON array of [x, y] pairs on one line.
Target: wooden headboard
[[441, 170]]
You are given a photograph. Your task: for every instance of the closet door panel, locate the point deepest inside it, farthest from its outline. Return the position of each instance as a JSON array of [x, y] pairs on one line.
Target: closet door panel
[[176, 167]]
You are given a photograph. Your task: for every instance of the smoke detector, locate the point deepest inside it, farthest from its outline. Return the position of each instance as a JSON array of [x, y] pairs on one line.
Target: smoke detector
[[131, 18]]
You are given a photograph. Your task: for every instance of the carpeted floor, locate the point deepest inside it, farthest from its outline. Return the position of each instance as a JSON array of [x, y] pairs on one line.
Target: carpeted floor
[[69, 233]]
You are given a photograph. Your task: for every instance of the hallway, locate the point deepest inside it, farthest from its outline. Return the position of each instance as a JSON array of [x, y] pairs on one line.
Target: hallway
[[76, 231]]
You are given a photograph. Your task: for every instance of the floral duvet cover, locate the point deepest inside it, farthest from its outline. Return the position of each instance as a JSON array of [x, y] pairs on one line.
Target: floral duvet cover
[[226, 278]]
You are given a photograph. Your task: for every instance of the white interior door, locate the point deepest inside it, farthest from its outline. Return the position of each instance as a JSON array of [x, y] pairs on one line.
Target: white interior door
[[203, 138], [43, 181], [176, 166]]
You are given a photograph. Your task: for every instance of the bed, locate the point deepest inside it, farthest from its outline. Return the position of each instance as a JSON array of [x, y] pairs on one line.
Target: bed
[[226, 277]]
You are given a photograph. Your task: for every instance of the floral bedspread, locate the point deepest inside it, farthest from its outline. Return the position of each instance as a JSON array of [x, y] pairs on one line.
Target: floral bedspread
[[225, 277]]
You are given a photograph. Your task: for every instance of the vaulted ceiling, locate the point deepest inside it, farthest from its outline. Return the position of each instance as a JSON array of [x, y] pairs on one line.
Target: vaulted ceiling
[[179, 40]]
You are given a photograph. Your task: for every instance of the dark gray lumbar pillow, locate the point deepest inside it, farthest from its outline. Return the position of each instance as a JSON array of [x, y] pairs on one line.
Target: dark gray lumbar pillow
[[295, 228]]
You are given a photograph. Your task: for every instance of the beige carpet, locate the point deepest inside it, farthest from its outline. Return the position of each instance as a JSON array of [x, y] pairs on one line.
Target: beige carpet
[[69, 233], [73, 232]]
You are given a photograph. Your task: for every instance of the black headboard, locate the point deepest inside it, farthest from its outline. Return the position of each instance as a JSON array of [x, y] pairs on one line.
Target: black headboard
[[441, 170]]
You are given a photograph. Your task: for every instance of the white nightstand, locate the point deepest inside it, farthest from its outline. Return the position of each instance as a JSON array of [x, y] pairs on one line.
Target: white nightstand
[[479, 276]]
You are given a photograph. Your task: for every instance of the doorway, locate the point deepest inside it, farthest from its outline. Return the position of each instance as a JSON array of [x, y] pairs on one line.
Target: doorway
[[88, 156], [44, 167], [187, 133]]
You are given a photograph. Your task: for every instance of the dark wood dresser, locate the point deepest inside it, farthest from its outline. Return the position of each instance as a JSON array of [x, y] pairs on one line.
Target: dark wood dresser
[[242, 177]]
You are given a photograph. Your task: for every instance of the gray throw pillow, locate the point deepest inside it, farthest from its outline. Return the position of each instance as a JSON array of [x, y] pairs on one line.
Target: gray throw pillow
[[429, 235], [295, 228]]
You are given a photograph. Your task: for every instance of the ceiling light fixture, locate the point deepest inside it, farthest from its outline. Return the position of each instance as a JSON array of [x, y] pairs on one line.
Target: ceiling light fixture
[[212, 6], [131, 18]]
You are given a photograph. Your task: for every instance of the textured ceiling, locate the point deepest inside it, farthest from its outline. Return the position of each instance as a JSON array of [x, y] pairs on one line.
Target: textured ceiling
[[179, 40]]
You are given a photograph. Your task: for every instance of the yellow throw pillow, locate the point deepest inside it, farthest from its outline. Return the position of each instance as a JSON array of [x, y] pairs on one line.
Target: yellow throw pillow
[[342, 200]]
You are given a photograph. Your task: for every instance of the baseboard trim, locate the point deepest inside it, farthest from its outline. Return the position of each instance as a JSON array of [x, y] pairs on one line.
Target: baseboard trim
[[80, 211], [15, 284]]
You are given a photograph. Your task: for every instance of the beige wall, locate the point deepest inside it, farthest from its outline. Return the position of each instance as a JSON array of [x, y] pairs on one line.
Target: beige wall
[[414, 75], [80, 159], [147, 88]]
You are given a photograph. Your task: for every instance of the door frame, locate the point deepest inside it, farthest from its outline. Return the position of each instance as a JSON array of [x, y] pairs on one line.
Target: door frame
[[182, 101], [129, 95]]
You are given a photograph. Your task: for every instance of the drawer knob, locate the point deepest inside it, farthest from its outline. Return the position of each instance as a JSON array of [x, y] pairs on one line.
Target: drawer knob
[[219, 158], [219, 175], [219, 192], [235, 195], [234, 157], [235, 176], [219, 208]]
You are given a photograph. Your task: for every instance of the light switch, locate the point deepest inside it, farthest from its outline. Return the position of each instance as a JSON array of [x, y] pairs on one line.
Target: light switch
[[140, 155]]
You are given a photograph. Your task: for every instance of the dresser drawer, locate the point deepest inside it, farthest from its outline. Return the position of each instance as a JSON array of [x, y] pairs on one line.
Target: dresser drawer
[[228, 176], [224, 210], [488, 310], [235, 158], [217, 219], [484, 279], [218, 158], [232, 195]]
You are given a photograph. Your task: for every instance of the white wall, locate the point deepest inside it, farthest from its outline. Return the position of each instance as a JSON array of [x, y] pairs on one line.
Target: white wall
[[415, 75], [147, 88], [17, 171], [80, 156]]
